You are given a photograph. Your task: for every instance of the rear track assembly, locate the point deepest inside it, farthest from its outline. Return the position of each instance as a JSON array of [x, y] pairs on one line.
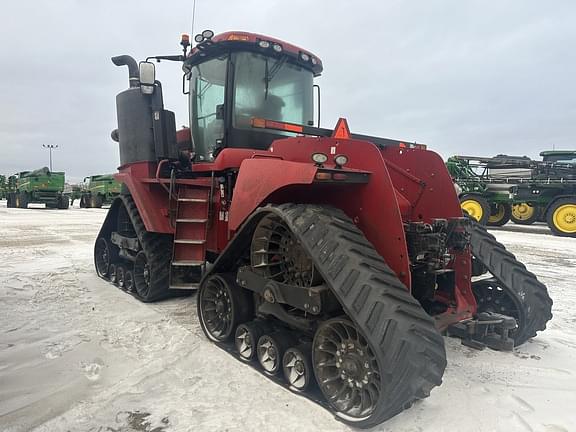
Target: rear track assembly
[[379, 357], [512, 291]]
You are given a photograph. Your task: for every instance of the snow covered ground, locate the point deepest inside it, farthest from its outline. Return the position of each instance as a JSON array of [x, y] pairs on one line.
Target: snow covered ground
[[76, 354]]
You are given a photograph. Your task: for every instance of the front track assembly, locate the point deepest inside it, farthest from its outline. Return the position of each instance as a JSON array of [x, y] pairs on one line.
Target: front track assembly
[[367, 359], [135, 260]]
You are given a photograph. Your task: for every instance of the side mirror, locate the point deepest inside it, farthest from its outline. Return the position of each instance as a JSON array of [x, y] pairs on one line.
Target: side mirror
[[147, 76]]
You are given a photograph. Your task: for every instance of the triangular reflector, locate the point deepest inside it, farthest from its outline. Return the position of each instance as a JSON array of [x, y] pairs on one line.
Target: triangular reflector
[[341, 130]]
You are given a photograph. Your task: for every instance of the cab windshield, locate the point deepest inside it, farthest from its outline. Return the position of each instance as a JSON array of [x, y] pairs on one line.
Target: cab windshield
[[271, 88], [265, 87]]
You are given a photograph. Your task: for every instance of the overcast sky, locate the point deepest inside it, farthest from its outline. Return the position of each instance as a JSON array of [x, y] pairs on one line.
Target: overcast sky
[[470, 77]]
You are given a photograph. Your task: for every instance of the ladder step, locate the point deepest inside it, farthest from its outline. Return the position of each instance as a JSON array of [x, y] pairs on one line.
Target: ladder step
[[191, 286], [198, 200], [197, 242], [187, 263], [192, 220]]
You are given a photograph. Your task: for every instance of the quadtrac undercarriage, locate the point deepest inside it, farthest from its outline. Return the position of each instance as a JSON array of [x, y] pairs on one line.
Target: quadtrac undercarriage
[[132, 258], [301, 295]]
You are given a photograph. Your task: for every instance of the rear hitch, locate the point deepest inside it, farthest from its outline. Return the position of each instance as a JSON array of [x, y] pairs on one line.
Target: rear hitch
[[488, 329]]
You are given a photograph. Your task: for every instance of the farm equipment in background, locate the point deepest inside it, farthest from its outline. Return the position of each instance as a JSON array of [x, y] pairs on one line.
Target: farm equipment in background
[[41, 186], [333, 259], [496, 190], [3, 187], [98, 190]]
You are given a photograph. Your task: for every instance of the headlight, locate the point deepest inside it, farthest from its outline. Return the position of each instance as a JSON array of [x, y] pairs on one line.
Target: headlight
[[319, 158], [341, 160], [264, 44], [314, 61], [207, 34], [277, 47], [305, 57]]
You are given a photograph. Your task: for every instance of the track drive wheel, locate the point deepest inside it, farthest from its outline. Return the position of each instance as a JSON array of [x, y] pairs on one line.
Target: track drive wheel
[[561, 217], [524, 214], [500, 214], [347, 369], [476, 206], [222, 306], [297, 367], [512, 290]]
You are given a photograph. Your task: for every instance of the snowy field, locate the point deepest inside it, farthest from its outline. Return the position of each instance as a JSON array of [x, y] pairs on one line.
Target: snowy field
[[77, 354]]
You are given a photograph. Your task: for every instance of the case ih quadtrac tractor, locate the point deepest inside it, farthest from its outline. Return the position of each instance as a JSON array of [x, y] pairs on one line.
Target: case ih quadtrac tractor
[[330, 261]]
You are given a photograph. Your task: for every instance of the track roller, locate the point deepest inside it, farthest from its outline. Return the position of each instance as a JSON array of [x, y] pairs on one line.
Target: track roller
[[297, 367], [128, 281], [112, 273], [246, 338], [120, 275], [270, 351]]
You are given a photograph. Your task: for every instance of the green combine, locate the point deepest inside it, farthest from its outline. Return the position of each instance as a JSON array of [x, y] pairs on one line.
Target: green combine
[[37, 187], [3, 187], [99, 190]]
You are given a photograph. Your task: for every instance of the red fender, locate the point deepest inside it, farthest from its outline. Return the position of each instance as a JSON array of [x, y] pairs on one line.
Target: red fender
[[374, 207]]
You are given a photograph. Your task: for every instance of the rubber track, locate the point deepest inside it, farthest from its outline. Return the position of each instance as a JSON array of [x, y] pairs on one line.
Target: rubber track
[[409, 349], [157, 247], [520, 283]]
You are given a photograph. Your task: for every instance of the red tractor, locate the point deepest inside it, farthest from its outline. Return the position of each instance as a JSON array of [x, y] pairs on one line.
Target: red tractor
[[332, 259]]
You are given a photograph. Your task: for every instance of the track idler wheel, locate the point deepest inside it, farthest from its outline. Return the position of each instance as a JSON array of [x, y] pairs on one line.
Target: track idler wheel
[[222, 306], [270, 351], [246, 338], [103, 257], [297, 367], [346, 369]]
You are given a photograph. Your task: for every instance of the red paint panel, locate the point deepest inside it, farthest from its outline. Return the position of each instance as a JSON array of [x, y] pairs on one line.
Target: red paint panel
[[373, 206], [258, 178], [151, 199]]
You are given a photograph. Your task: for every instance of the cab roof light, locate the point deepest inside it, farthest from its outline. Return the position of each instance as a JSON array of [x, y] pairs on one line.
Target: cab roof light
[[238, 37]]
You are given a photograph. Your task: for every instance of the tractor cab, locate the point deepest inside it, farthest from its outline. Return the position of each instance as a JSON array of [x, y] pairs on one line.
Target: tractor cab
[[237, 77]]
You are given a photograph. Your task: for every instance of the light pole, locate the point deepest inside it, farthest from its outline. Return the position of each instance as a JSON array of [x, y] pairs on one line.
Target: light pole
[[50, 147]]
